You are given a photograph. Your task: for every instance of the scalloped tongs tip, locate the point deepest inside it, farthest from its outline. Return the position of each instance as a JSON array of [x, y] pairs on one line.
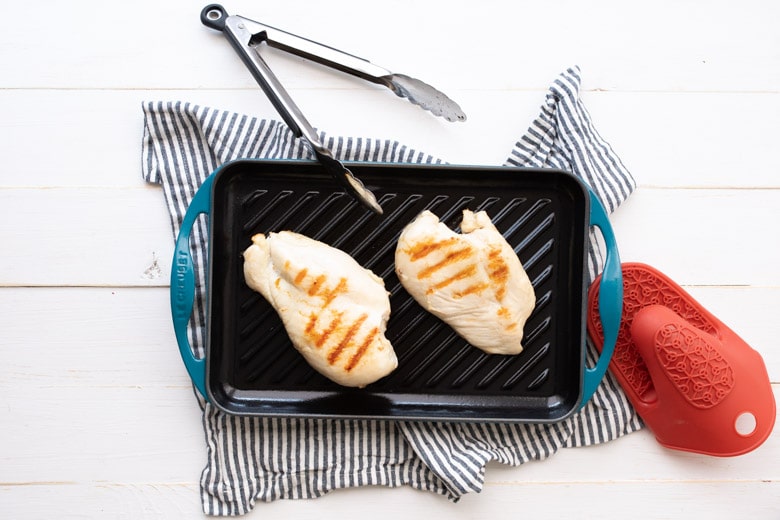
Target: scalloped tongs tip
[[247, 35]]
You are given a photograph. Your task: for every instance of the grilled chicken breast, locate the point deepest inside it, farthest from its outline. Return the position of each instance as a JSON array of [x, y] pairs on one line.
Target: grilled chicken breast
[[472, 281], [335, 311]]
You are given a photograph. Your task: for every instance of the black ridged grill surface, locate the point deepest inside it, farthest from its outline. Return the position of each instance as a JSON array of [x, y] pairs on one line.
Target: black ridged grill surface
[[253, 366]]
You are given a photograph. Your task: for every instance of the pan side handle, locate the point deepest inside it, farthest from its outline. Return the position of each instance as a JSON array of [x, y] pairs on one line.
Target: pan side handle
[[610, 299], [183, 286]]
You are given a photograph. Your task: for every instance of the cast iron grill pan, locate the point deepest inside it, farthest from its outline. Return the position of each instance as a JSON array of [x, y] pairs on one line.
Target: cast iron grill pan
[[252, 367]]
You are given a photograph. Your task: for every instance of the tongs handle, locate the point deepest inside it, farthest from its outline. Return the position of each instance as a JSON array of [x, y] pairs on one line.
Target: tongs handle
[[240, 37], [244, 35], [214, 16]]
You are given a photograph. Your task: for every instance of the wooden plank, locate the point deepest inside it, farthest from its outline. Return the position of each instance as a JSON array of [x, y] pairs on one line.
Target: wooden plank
[[114, 236], [136, 324], [657, 500], [697, 236], [93, 138], [81, 156], [86, 236], [99, 416], [751, 313], [82, 392], [98, 337], [730, 47], [117, 434], [78, 431], [95, 388], [101, 499], [690, 140], [638, 457]]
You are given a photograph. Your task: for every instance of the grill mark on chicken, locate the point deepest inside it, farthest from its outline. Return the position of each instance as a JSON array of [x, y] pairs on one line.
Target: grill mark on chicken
[[498, 272], [313, 317], [300, 276], [334, 325], [504, 313], [423, 249], [477, 288], [317, 284], [467, 272], [336, 351], [330, 295], [451, 258], [362, 349]]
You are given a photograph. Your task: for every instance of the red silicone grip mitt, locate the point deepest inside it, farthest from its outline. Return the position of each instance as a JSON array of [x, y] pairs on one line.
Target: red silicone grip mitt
[[696, 384]]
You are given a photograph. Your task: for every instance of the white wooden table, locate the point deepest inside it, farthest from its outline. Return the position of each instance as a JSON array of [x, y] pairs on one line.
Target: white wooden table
[[97, 416]]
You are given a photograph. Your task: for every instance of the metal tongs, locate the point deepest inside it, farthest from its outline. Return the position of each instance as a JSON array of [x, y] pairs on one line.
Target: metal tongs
[[246, 36]]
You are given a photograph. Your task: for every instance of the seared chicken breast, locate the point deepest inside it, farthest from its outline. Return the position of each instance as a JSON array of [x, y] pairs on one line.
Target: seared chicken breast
[[335, 311], [472, 281]]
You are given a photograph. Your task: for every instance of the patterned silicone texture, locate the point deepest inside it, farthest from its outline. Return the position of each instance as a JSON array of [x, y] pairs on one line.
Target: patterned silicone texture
[[694, 364], [642, 288]]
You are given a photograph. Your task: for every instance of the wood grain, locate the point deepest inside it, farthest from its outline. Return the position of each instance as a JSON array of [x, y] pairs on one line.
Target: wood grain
[[686, 92]]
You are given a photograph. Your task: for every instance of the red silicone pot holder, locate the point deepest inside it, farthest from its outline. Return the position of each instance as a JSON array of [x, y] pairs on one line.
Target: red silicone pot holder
[[696, 384]]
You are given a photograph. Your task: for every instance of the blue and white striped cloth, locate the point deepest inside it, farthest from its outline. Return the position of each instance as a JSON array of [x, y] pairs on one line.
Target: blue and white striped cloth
[[260, 459]]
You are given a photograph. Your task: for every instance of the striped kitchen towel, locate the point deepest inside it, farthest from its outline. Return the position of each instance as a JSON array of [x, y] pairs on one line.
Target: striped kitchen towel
[[250, 458]]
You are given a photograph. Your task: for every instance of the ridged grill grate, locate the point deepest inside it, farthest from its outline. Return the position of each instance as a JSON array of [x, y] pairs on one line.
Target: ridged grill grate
[[535, 211]]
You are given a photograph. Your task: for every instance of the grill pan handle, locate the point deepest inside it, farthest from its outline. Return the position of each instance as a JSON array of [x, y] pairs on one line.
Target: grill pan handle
[[183, 286], [610, 298]]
